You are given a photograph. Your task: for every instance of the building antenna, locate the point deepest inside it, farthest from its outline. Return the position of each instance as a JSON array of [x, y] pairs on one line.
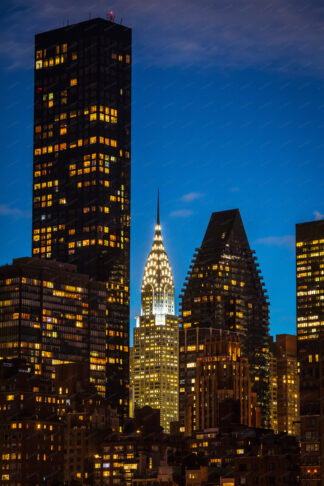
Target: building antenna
[[110, 16], [158, 208], [89, 15]]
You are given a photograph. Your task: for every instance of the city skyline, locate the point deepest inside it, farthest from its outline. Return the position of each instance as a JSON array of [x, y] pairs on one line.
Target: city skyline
[[243, 137], [218, 379]]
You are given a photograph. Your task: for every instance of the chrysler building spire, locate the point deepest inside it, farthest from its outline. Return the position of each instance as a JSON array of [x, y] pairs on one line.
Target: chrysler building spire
[[155, 374], [157, 287]]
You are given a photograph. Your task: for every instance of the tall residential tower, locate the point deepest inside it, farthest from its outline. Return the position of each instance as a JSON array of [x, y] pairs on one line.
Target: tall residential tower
[[81, 186], [224, 290], [156, 337]]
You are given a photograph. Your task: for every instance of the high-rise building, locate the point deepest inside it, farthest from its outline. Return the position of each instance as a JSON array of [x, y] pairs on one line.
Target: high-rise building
[[192, 342], [223, 392], [284, 385], [50, 315], [287, 384], [81, 185], [156, 337], [310, 279], [310, 348], [224, 290]]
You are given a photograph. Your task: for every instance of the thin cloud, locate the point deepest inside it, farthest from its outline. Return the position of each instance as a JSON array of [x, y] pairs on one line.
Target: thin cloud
[[284, 35], [181, 213], [191, 196], [287, 241], [6, 210], [318, 215]]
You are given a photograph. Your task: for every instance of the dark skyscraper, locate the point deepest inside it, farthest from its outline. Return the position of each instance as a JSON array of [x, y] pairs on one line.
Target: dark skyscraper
[[224, 290], [310, 348], [81, 191]]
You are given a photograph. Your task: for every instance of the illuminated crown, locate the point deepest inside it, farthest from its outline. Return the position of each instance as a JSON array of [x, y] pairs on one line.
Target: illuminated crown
[[157, 286]]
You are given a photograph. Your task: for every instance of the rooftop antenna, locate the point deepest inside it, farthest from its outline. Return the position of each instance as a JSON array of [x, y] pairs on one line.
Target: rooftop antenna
[[158, 209], [110, 16], [89, 15]]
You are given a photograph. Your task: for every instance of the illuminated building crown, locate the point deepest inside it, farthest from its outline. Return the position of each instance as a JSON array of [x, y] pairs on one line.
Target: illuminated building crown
[[157, 286]]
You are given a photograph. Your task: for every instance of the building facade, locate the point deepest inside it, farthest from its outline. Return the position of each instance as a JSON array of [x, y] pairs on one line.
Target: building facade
[[192, 342], [287, 384], [31, 434], [50, 430], [224, 290], [81, 179], [273, 387], [50, 315], [131, 382], [223, 386], [156, 337], [310, 348], [143, 454], [240, 455], [87, 419], [277, 464]]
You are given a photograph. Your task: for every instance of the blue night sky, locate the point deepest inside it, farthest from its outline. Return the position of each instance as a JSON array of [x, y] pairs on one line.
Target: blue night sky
[[228, 103]]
